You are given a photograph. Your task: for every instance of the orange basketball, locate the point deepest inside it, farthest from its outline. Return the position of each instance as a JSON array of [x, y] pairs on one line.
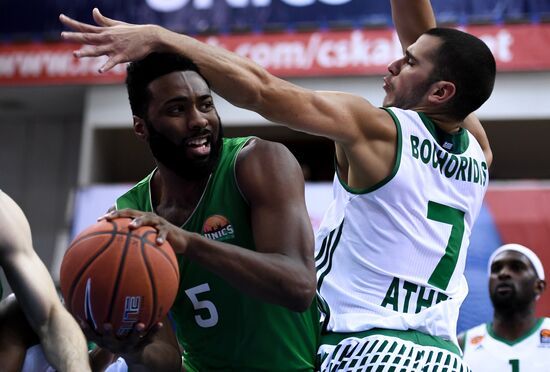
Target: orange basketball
[[111, 274]]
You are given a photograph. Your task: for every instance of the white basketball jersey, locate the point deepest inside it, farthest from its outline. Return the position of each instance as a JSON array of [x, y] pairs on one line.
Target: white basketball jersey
[[393, 256], [486, 352]]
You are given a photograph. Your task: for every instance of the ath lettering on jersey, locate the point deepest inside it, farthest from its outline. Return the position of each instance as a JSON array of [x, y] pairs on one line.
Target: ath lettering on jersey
[[401, 292], [451, 166]]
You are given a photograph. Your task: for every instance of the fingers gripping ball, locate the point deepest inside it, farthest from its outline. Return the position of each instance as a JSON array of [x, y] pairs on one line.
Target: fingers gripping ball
[[111, 274]]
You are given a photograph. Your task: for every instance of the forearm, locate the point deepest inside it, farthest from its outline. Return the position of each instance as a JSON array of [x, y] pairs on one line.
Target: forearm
[[272, 277], [63, 342], [237, 79], [411, 19]]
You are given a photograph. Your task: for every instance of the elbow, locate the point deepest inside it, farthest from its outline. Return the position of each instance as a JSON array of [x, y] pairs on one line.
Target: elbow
[[302, 296]]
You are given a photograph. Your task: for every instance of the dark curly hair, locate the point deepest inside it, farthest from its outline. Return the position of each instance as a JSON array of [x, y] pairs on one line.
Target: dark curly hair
[[141, 73]]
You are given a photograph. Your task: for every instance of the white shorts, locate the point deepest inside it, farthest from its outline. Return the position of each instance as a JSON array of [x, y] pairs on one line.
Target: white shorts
[[35, 361], [376, 353], [118, 366]]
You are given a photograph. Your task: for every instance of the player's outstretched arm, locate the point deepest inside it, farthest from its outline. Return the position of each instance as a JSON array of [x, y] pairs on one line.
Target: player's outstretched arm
[[411, 19], [61, 338], [338, 116]]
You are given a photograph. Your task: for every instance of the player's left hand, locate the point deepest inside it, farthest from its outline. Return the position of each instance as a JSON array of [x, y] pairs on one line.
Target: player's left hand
[[166, 231]]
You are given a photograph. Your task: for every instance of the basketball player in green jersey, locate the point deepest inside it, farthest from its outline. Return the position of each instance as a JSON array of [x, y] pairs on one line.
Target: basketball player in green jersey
[[233, 209], [408, 188], [59, 335], [515, 341]]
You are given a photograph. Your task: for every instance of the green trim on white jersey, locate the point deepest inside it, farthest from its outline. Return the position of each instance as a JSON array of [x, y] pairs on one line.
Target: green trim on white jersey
[[455, 143], [492, 333], [395, 167]]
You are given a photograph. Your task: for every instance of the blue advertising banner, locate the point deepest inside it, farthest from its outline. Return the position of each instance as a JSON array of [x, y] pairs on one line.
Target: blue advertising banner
[[38, 18]]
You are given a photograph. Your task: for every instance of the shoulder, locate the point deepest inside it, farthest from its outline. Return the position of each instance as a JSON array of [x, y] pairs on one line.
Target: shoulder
[[265, 154], [266, 166], [259, 146]]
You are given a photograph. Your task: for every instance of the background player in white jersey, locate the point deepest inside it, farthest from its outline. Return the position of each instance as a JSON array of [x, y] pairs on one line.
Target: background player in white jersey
[[59, 334], [409, 186], [516, 340]]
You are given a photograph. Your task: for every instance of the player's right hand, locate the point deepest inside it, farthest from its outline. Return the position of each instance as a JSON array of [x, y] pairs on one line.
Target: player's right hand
[[130, 347]]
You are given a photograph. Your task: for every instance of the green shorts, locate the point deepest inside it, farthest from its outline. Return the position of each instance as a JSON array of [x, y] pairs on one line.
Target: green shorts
[[380, 350]]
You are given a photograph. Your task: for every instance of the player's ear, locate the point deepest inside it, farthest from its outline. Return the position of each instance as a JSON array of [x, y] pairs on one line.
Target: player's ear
[[540, 286], [441, 92], [140, 129]]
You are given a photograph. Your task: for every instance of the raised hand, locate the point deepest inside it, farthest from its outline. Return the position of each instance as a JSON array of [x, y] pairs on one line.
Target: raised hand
[[121, 42]]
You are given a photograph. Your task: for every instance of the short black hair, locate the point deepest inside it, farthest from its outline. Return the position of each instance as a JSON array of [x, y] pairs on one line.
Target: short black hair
[[141, 73], [467, 62]]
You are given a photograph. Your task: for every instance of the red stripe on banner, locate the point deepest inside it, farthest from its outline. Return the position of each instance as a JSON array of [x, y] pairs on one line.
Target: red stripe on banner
[[52, 63], [329, 53]]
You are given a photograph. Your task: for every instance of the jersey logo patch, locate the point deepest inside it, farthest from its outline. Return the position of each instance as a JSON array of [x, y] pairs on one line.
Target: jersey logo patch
[[476, 340], [545, 337], [218, 227]]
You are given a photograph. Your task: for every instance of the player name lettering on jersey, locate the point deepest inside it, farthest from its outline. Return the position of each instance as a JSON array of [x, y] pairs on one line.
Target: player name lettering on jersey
[[463, 168], [407, 297]]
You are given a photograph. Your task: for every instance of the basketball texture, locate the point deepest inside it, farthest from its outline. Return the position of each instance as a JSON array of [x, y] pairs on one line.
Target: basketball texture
[[111, 274]]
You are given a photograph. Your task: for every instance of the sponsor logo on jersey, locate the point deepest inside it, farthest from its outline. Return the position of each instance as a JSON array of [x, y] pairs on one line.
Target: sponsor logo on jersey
[[476, 340], [545, 337], [218, 227]]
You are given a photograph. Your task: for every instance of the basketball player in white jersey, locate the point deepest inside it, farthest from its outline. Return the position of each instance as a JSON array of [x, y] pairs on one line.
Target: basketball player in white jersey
[[408, 188], [516, 340], [60, 336]]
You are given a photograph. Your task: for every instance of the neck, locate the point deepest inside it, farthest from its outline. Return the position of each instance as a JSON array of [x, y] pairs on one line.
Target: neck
[[444, 123], [174, 197], [512, 325]]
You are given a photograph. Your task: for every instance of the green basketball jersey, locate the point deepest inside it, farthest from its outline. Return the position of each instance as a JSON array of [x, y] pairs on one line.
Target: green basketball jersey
[[219, 327]]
